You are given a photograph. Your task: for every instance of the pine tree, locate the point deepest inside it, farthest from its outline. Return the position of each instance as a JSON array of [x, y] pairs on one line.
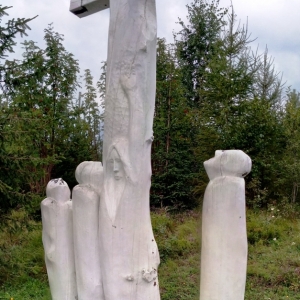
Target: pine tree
[[197, 43], [289, 177], [39, 118], [173, 163], [92, 115], [8, 34]]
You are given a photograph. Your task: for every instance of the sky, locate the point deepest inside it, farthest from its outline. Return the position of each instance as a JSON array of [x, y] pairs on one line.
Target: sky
[[272, 23]]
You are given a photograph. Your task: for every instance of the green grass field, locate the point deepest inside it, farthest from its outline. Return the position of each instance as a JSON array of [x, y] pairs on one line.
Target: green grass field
[[273, 264]]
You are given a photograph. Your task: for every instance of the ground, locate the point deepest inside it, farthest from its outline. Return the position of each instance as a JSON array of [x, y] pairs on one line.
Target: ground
[[273, 263]]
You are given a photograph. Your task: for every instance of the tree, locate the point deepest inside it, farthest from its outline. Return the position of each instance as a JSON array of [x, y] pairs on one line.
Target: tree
[[227, 75], [8, 34], [289, 179], [197, 43], [92, 114], [85, 139], [42, 88], [43, 133], [228, 80], [234, 96], [101, 85], [173, 163], [46, 134], [268, 83]]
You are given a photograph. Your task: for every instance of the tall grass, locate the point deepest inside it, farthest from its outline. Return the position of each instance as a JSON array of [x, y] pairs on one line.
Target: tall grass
[[273, 263]]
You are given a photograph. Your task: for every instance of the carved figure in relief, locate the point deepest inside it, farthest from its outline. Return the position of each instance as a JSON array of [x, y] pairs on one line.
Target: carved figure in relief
[[115, 177], [224, 237]]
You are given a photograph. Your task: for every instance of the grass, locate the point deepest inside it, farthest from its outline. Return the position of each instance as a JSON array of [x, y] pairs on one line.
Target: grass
[[22, 270], [273, 264], [178, 242], [30, 289], [274, 260]]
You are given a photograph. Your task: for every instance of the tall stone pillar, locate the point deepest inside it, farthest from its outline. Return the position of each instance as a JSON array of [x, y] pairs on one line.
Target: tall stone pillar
[[224, 236], [129, 254], [85, 198]]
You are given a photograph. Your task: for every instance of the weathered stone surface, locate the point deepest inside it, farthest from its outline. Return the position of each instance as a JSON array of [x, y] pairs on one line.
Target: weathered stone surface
[[129, 252], [85, 197], [58, 240], [224, 237]]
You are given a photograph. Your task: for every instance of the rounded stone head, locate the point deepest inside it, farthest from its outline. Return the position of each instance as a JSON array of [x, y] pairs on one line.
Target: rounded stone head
[[59, 190], [228, 163], [90, 173]]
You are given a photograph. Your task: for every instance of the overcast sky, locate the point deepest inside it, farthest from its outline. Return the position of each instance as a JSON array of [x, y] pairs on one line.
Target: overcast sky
[[275, 23]]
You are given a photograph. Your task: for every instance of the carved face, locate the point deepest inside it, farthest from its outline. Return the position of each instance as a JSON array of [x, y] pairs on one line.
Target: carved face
[[115, 165]]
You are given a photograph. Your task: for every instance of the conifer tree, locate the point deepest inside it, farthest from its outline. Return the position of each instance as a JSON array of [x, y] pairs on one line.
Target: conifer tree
[[8, 34], [173, 164]]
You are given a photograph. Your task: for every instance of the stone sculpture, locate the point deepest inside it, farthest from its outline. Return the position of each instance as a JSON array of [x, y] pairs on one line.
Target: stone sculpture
[[129, 254], [224, 237], [127, 249], [58, 240], [85, 198]]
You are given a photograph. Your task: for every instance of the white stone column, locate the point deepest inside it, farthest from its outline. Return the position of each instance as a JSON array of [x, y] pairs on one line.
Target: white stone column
[[224, 236], [58, 240], [129, 255], [85, 197]]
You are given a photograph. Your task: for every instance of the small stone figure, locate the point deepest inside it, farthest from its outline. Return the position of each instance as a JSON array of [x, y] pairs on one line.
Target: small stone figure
[[58, 240], [86, 199], [224, 236]]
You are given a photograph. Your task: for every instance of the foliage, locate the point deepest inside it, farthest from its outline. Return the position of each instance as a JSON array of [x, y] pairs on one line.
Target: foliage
[[197, 43], [229, 76], [215, 68], [37, 111], [172, 151], [41, 90], [289, 178], [258, 131], [8, 34], [268, 84], [101, 90], [91, 114], [43, 134], [234, 98], [84, 138]]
